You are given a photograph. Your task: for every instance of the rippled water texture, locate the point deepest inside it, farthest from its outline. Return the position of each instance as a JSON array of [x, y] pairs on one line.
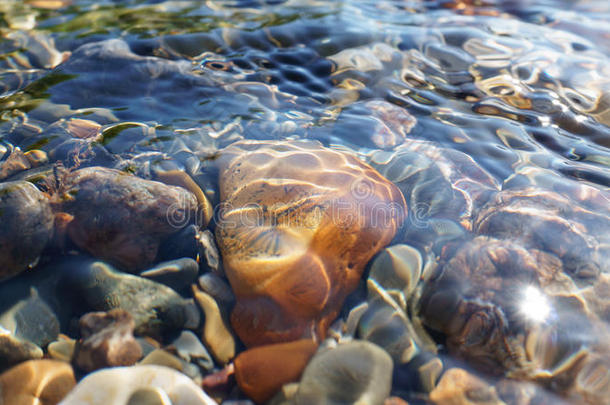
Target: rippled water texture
[[492, 117]]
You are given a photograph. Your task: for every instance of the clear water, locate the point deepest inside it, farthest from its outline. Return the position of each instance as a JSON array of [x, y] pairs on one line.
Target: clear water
[[522, 87]]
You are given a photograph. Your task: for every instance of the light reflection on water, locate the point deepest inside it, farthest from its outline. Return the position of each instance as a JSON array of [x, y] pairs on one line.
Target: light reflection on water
[[520, 87]]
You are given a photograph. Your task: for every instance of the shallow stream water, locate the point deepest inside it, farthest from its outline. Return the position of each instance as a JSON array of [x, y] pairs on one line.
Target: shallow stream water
[[520, 87]]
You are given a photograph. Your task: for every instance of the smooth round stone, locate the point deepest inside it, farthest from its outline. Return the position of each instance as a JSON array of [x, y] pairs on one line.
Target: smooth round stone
[[27, 226], [177, 274], [261, 372], [397, 267], [156, 308], [126, 385], [298, 223], [356, 372], [36, 382], [390, 329], [123, 218]]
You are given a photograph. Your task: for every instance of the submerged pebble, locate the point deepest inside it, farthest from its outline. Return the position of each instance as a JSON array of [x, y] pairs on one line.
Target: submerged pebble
[[125, 385], [459, 387], [190, 349], [216, 333], [156, 308], [14, 350], [261, 372], [36, 382], [106, 341], [123, 218], [27, 226], [355, 372], [31, 319]]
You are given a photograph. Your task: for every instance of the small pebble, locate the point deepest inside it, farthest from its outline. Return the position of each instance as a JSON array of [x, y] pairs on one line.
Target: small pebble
[[36, 382], [36, 157], [62, 349], [262, 371], [106, 341], [216, 333], [190, 349], [161, 357]]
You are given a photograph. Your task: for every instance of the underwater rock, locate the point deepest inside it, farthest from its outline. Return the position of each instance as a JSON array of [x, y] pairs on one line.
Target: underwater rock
[[156, 308], [190, 349], [261, 372], [14, 350], [125, 386], [177, 274], [106, 340], [490, 297], [62, 349], [27, 226], [355, 372], [545, 220], [459, 387], [31, 319], [443, 189], [120, 217], [36, 382], [298, 223], [216, 333]]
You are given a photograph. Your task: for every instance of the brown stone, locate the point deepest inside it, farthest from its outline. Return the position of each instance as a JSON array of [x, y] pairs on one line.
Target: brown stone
[[298, 223], [122, 218], [459, 387], [106, 341], [261, 372], [36, 382]]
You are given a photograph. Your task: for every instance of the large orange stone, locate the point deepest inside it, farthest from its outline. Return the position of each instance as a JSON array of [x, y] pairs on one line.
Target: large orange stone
[[298, 223]]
